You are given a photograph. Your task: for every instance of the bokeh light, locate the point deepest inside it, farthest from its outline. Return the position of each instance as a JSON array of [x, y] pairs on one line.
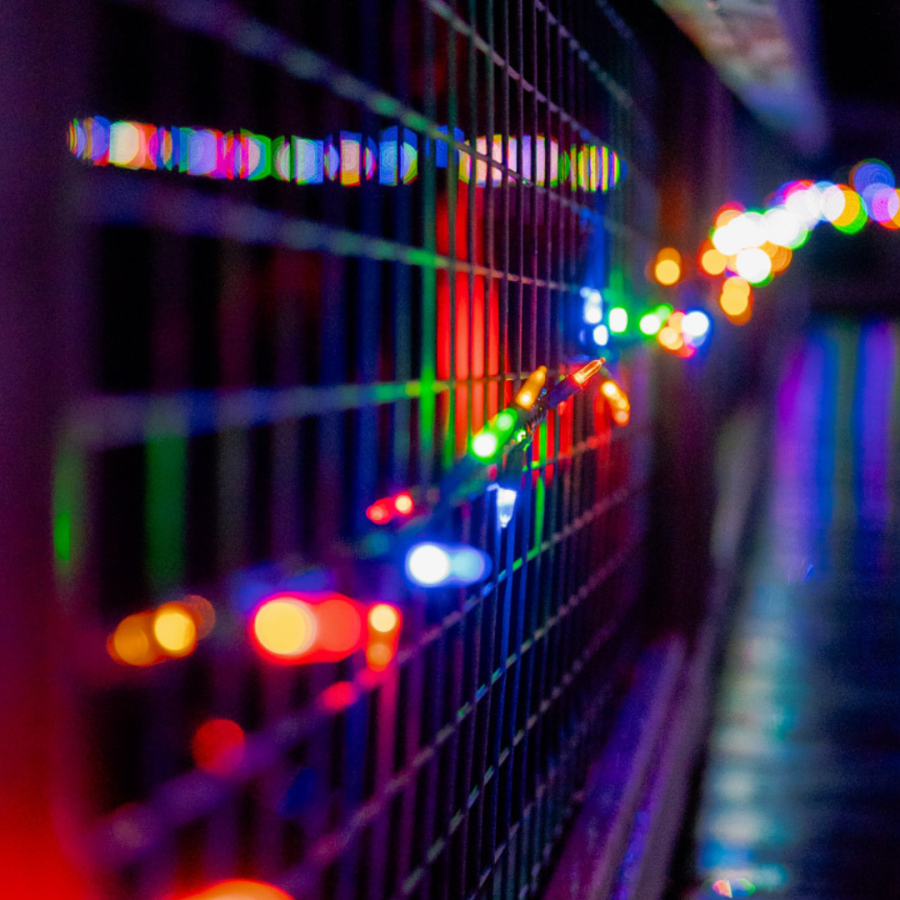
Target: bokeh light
[[403, 503], [618, 320], [712, 261], [218, 746], [384, 618], [667, 266], [285, 628], [695, 327], [338, 625], [650, 324], [203, 612], [241, 889], [132, 643], [753, 265], [428, 564], [175, 629], [736, 300], [601, 335]]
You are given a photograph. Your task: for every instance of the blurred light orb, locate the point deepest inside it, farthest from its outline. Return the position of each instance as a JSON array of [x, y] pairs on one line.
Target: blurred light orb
[[468, 565], [241, 889], [650, 324], [338, 624], [601, 335], [713, 261], [403, 503], [132, 642], [667, 272], [428, 564], [783, 227], [618, 320], [753, 265], [218, 746], [285, 627], [383, 618], [870, 172], [884, 204], [593, 315], [485, 445], [834, 202], [695, 327], [175, 629]]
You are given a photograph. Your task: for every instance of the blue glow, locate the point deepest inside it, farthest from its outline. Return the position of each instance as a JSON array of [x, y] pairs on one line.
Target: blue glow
[[430, 564], [506, 505]]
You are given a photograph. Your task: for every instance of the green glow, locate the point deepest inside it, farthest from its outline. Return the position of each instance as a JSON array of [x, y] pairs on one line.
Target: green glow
[[485, 445], [68, 488], [650, 324], [850, 228], [540, 490], [664, 310], [506, 421], [165, 510]]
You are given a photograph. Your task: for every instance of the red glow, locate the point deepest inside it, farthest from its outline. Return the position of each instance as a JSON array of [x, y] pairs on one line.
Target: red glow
[[403, 503], [471, 300], [218, 746], [295, 627], [380, 512], [384, 622], [339, 696], [340, 625], [241, 889]]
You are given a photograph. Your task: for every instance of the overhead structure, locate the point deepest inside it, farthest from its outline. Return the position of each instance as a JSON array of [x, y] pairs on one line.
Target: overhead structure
[[760, 50]]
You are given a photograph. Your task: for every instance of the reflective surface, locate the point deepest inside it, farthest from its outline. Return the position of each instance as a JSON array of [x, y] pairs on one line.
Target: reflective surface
[[801, 790]]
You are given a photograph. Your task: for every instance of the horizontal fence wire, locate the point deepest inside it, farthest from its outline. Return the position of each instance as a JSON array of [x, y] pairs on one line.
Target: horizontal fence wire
[[266, 360]]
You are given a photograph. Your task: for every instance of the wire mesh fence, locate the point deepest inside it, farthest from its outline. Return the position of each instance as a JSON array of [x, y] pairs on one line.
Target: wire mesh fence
[[392, 231]]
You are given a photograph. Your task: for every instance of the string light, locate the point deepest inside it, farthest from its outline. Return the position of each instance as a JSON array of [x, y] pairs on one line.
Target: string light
[[385, 510], [346, 158], [384, 623], [506, 505], [438, 565], [308, 627], [531, 389]]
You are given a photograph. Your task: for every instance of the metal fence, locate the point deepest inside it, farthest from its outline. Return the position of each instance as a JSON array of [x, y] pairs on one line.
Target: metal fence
[[267, 357]]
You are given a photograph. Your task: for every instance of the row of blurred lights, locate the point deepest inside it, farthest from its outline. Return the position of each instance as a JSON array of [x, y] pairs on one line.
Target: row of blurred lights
[[747, 248], [345, 157]]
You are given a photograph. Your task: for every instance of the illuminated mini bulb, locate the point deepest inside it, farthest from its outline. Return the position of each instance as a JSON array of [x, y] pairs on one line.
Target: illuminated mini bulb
[[383, 511], [506, 505], [601, 335], [441, 565], [295, 627], [530, 391], [171, 631], [384, 623], [241, 889], [667, 267], [218, 746], [619, 404], [489, 442]]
